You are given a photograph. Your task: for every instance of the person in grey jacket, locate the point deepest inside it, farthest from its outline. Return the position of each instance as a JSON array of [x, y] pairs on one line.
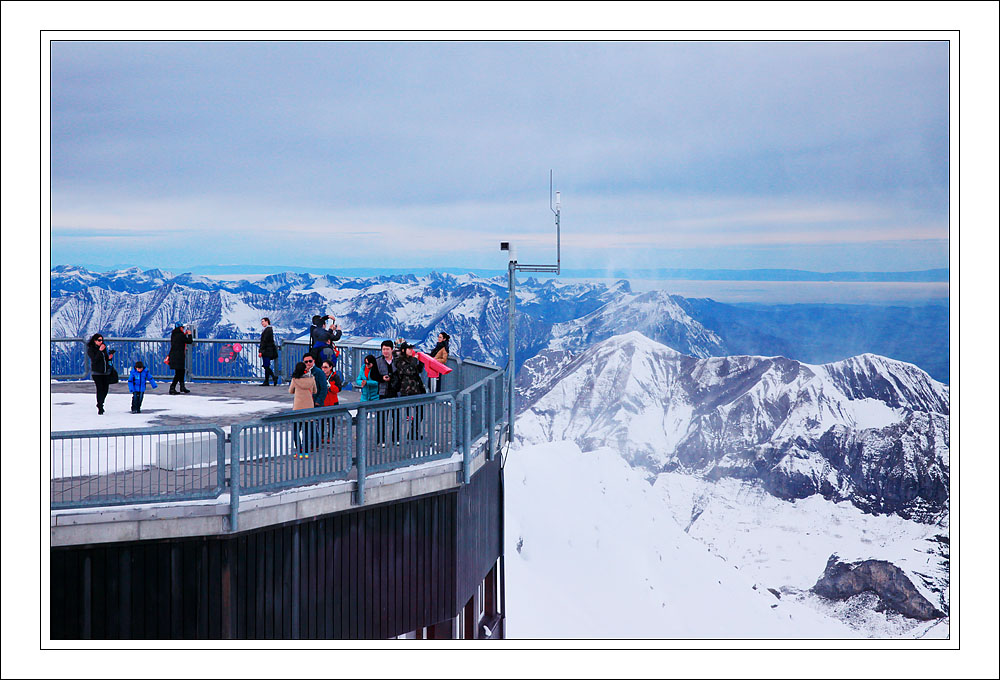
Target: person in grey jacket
[[100, 367]]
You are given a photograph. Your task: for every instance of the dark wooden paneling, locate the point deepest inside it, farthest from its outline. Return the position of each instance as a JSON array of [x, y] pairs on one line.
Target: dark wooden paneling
[[478, 530], [373, 572]]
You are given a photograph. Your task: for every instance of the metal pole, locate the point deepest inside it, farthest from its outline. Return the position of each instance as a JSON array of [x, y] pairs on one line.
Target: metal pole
[[234, 476], [360, 443], [511, 281], [467, 437]]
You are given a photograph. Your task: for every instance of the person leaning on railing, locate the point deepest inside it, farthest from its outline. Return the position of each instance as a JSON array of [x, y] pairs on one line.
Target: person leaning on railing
[[100, 367]]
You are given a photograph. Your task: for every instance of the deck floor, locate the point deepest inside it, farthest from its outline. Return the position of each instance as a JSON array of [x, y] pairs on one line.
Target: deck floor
[[221, 391]]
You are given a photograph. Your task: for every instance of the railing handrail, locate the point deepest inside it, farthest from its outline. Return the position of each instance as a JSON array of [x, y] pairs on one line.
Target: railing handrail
[[132, 431], [348, 341], [379, 404]]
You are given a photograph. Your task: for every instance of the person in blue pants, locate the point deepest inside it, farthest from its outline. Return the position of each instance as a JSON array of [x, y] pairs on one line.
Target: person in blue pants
[[138, 379]]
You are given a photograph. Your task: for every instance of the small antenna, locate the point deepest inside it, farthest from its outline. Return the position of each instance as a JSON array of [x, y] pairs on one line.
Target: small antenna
[[556, 211]]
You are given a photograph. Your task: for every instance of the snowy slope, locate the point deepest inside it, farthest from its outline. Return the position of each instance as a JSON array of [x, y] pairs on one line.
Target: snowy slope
[[610, 563], [785, 545]]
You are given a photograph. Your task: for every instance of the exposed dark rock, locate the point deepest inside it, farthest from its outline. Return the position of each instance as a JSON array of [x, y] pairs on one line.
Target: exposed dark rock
[[896, 592]]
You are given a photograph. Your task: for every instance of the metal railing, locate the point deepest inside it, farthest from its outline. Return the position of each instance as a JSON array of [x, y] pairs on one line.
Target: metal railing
[[293, 449], [206, 358], [298, 448], [113, 467], [68, 358]]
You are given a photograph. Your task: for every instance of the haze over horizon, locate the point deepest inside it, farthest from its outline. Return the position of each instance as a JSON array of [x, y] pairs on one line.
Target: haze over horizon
[[817, 156]]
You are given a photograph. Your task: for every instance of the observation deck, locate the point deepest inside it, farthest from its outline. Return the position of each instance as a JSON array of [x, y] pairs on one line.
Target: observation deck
[[242, 467]]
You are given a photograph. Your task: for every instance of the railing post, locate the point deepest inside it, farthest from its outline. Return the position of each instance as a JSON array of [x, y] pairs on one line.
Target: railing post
[[360, 436], [189, 357], [491, 418], [467, 437], [234, 476], [86, 359]]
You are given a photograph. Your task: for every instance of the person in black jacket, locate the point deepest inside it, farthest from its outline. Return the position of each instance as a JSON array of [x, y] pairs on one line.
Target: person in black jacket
[[180, 338], [268, 351], [409, 384], [321, 338], [100, 367]]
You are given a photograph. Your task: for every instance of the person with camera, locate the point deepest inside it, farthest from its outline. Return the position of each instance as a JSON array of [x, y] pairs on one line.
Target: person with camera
[[321, 338], [100, 367]]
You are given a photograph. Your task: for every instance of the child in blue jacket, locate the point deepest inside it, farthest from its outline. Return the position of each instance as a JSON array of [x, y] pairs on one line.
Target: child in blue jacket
[[137, 380]]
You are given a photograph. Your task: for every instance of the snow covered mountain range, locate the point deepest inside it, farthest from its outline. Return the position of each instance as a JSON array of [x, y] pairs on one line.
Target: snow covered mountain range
[[867, 429], [552, 315], [473, 310]]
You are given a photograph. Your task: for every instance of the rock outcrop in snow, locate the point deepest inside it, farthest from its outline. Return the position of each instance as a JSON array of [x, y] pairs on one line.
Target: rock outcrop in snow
[[843, 580]]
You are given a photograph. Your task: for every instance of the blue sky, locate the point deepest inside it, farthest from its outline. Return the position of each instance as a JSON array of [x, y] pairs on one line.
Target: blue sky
[[807, 155]]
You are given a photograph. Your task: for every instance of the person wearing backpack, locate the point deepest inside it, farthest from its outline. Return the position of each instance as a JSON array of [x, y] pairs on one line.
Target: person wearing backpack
[[137, 381], [321, 338]]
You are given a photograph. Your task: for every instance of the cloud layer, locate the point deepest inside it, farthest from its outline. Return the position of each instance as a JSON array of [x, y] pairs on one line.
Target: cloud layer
[[445, 147]]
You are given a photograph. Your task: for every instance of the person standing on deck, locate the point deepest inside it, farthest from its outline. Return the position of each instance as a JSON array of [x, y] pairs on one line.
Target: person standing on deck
[[321, 338], [100, 367], [439, 353], [386, 390], [137, 381], [180, 338], [268, 351], [303, 387]]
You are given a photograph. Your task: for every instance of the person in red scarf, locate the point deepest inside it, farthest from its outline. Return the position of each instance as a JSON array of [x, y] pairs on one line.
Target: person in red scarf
[[336, 384], [332, 398]]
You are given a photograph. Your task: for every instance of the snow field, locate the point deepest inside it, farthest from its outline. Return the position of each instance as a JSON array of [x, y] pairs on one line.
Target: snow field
[[785, 545], [613, 564]]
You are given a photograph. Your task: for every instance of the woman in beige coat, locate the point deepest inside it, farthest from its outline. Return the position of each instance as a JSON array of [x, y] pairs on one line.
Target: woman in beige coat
[[303, 386]]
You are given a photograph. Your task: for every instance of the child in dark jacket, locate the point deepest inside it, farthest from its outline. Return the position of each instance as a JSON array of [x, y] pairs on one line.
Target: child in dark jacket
[[137, 381]]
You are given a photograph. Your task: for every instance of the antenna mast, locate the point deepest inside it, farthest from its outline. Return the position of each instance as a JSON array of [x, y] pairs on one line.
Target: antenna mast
[[512, 268]]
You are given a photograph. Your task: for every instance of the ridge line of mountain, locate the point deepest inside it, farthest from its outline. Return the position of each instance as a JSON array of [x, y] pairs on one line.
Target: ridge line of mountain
[[937, 275]]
